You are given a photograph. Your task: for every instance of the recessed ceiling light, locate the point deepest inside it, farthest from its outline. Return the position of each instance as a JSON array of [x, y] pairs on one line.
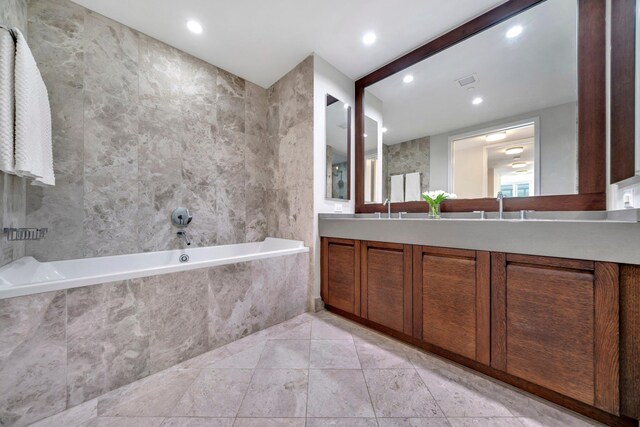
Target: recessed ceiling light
[[369, 38], [194, 27], [518, 165], [384, 130], [365, 135], [522, 171], [477, 101], [514, 150], [346, 106], [408, 78], [514, 31], [498, 136]]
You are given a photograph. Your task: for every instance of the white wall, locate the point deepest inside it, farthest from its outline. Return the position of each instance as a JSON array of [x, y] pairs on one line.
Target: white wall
[[328, 80], [558, 149], [469, 174]]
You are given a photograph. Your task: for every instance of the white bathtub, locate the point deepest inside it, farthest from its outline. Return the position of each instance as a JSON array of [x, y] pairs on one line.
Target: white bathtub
[[28, 276]]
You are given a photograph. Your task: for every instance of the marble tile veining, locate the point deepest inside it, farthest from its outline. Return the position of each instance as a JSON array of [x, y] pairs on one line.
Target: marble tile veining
[[235, 390], [32, 357], [140, 128]]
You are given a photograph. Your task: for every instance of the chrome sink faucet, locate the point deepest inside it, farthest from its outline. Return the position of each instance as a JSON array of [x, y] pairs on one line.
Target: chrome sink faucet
[[500, 198], [387, 203]]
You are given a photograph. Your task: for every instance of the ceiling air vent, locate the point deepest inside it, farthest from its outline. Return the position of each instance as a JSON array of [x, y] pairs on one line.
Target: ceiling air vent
[[467, 80]]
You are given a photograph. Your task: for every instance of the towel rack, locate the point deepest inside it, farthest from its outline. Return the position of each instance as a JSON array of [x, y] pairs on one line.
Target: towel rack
[[15, 234]]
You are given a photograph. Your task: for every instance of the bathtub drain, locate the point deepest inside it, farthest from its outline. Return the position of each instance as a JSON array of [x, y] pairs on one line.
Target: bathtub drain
[[184, 258]]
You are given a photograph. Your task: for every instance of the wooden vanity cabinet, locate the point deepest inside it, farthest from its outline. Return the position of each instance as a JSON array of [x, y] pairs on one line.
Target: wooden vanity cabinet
[[341, 274], [451, 300], [555, 324], [386, 277]]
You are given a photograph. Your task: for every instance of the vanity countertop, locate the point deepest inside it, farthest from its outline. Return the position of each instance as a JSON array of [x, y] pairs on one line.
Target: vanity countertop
[[602, 236]]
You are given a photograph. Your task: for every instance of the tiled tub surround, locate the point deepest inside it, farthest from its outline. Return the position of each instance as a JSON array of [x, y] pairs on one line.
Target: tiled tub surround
[[316, 370], [62, 348], [140, 128], [407, 157]]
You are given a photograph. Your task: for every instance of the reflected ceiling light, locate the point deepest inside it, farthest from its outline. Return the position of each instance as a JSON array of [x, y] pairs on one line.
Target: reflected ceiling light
[[194, 27], [514, 150], [514, 31], [522, 171], [369, 38], [365, 135], [384, 130], [518, 165], [498, 136], [477, 101], [346, 106], [408, 78]]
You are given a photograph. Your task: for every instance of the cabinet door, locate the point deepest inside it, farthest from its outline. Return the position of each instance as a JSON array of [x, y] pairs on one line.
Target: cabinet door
[[341, 274], [555, 324], [386, 285], [452, 300]]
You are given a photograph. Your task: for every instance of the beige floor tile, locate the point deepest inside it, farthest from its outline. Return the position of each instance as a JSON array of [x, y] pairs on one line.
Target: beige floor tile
[[124, 422], [413, 422], [269, 422], [388, 386], [215, 393], [334, 354], [485, 422], [341, 422], [292, 354], [197, 422], [325, 330], [374, 356], [275, 393], [338, 393], [458, 396], [301, 332], [245, 359], [400, 393]]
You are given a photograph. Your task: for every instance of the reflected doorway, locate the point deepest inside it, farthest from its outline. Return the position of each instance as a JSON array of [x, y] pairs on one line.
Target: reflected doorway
[[504, 158]]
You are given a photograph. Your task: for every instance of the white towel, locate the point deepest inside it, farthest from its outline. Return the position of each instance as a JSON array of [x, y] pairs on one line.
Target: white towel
[[33, 147], [412, 191], [7, 100], [397, 188]]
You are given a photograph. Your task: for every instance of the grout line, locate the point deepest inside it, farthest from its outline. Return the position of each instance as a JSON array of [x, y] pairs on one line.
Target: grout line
[[253, 373]]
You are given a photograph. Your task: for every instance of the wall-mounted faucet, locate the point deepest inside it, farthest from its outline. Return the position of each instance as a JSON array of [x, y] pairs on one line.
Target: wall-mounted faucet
[[184, 236], [181, 218], [387, 203], [500, 198]]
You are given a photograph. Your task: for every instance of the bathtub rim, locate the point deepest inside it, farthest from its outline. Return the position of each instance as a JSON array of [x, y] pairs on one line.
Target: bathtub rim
[[71, 283]]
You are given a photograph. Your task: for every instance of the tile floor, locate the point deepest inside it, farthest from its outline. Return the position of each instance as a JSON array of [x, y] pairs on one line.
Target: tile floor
[[315, 370]]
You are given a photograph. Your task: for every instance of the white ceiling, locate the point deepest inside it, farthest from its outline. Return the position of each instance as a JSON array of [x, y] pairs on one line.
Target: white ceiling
[[535, 70], [262, 40]]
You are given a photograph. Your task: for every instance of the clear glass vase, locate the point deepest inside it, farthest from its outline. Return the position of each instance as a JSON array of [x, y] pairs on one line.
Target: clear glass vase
[[434, 211]]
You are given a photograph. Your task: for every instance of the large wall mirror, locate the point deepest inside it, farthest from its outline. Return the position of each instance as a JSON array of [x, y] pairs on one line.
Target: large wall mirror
[[337, 145], [493, 106]]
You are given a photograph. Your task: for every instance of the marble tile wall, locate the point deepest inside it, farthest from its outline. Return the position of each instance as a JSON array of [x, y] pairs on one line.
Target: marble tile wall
[[13, 13], [140, 128], [62, 348], [290, 132], [407, 157]]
